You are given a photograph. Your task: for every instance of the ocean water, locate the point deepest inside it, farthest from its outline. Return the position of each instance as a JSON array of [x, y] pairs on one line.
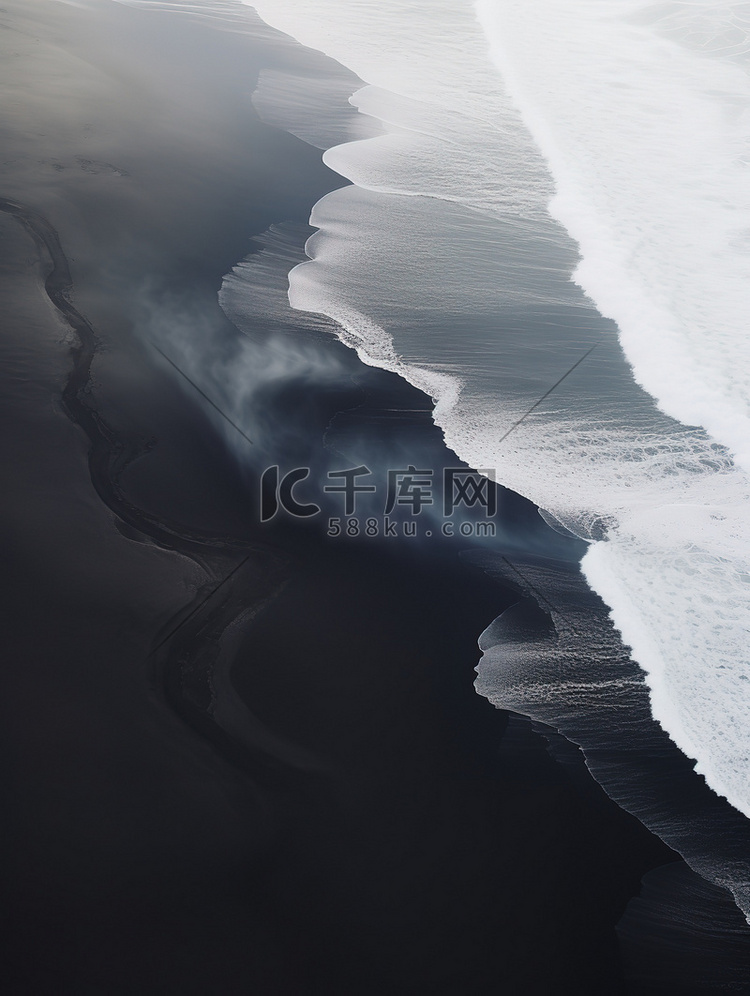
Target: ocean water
[[547, 194], [543, 197]]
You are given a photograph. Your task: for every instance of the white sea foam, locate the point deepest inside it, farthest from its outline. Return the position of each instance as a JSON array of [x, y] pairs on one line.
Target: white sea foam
[[648, 137], [643, 112], [444, 258]]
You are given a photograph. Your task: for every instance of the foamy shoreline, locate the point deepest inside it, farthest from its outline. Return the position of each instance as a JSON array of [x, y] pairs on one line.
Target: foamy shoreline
[[645, 483]]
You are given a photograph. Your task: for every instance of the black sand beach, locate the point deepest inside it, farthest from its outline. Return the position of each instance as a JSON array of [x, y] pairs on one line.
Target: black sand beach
[[240, 757]]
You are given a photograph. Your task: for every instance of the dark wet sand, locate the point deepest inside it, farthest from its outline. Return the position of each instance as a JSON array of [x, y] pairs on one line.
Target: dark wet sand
[[288, 786]]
